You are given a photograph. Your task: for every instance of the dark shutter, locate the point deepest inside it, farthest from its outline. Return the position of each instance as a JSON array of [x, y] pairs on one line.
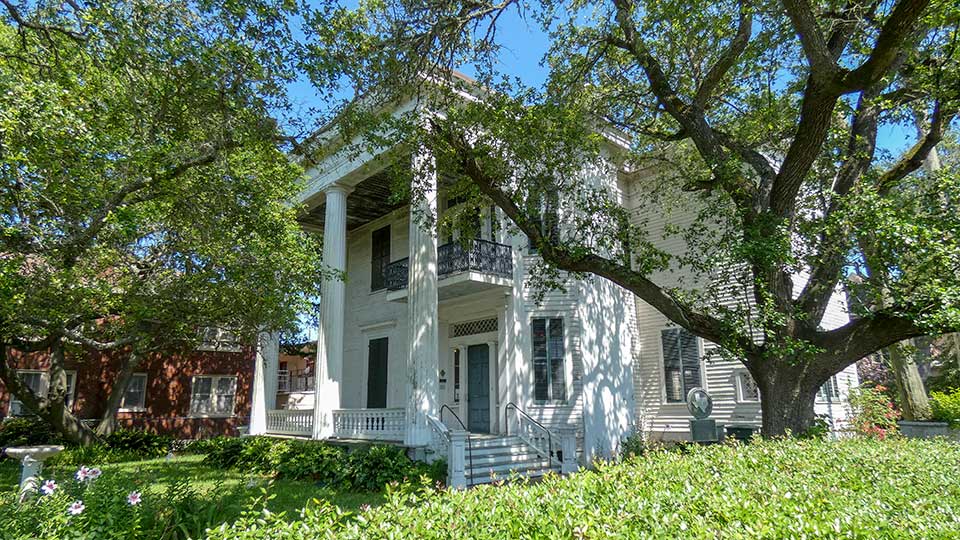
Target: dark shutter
[[691, 362], [541, 386], [379, 258], [555, 349], [377, 374], [672, 366]]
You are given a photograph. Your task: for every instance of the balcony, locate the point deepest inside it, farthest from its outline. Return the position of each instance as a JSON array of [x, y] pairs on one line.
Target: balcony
[[461, 269]]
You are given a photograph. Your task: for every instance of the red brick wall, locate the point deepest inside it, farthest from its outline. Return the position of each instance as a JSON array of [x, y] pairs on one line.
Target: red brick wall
[[167, 400]]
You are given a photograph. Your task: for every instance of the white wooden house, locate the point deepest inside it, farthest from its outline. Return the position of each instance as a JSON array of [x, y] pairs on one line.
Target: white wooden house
[[442, 348]]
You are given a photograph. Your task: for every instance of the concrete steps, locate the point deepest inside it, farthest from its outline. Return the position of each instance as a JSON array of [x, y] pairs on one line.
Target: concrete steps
[[490, 459]]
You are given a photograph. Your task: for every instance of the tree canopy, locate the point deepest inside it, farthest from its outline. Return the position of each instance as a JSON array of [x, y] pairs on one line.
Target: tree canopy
[[761, 119], [146, 188]]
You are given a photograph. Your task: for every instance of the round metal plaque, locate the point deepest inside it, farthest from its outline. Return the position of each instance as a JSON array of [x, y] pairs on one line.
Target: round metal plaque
[[699, 403]]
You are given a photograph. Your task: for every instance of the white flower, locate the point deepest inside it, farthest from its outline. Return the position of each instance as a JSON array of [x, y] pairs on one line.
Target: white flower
[[76, 508], [83, 473], [134, 498], [94, 473], [48, 487]]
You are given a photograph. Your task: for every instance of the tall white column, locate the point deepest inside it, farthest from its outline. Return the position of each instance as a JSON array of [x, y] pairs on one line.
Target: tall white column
[[422, 386], [329, 368], [266, 363]]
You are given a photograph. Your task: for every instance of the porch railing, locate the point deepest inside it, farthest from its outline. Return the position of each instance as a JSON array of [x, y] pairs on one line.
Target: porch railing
[[372, 424], [290, 422], [452, 258]]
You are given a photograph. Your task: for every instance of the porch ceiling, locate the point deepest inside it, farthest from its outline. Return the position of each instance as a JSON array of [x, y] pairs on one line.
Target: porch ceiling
[[370, 199]]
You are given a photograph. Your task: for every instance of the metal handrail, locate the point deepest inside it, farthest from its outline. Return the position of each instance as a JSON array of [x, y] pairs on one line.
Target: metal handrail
[[464, 428], [506, 422]]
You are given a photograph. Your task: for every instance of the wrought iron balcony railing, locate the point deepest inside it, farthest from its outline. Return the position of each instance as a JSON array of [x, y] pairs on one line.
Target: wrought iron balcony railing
[[481, 256]]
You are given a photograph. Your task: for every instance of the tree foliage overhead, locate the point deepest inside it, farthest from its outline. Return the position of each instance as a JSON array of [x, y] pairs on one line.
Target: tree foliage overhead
[[145, 186], [759, 118]]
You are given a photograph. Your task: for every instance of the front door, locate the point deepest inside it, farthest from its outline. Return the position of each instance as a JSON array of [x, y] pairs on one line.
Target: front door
[[478, 388]]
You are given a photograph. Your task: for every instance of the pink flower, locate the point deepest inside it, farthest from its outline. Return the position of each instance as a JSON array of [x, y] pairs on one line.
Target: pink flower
[[83, 474], [76, 508], [134, 498], [94, 473], [48, 487]]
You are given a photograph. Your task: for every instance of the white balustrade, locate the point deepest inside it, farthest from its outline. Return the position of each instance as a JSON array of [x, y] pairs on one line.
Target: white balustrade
[[369, 424], [290, 422]]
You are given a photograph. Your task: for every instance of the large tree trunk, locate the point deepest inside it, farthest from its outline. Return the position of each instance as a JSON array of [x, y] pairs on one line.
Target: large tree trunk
[[914, 403], [787, 397], [108, 420]]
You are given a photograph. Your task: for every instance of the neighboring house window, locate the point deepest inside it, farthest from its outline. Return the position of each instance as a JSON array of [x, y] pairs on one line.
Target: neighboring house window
[[830, 391], [747, 390], [219, 339], [39, 382], [681, 363], [380, 258], [135, 398], [377, 373], [213, 395], [548, 360]]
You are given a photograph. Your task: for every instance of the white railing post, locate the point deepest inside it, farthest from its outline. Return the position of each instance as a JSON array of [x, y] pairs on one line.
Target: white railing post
[[456, 460], [568, 449]]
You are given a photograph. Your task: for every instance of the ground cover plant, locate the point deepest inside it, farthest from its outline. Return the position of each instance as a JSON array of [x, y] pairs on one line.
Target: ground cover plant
[[853, 488], [176, 498]]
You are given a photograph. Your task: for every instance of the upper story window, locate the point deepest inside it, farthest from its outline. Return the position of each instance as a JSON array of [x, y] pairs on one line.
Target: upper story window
[[135, 397], [379, 258], [548, 360], [830, 391], [39, 382], [543, 208], [681, 363], [215, 338], [213, 395]]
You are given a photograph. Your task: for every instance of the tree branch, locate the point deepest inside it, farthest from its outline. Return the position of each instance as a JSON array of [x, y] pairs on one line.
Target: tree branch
[[822, 64], [913, 159], [729, 56]]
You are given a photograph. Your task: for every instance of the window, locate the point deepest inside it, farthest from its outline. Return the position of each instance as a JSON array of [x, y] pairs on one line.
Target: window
[[681, 363], [548, 360], [747, 390], [377, 373], [215, 338], [213, 395], [380, 258], [544, 208], [830, 391], [134, 399], [39, 382], [456, 375]]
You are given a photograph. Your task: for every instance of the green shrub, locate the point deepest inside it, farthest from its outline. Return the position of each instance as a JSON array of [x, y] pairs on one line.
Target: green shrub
[[634, 445], [27, 431], [946, 407], [146, 444], [97, 453], [814, 489], [874, 414], [300, 460], [224, 452]]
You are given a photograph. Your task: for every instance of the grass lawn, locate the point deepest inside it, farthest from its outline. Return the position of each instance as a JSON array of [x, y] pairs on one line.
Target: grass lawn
[[234, 488]]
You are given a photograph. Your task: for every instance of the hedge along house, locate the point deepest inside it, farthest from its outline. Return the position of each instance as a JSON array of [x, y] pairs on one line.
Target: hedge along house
[[200, 393], [439, 345]]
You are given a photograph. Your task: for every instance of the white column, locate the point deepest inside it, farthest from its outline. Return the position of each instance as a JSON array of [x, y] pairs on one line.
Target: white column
[[423, 342], [329, 368], [265, 368]]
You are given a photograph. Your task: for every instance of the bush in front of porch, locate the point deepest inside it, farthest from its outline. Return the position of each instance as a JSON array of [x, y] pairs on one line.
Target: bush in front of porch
[[366, 468]]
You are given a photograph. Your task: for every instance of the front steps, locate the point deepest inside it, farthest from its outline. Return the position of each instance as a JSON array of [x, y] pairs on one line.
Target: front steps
[[496, 458]]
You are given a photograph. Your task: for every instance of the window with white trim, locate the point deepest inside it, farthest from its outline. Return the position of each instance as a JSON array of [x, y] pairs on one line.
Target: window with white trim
[[39, 382], [681, 363], [830, 391], [215, 338], [747, 390], [549, 368], [212, 395], [135, 397]]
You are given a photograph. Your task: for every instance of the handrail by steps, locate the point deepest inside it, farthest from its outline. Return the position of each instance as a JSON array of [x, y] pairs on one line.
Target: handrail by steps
[[464, 428], [506, 422]]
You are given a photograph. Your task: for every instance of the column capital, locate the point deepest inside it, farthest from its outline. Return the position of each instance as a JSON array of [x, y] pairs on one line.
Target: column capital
[[338, 188]]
